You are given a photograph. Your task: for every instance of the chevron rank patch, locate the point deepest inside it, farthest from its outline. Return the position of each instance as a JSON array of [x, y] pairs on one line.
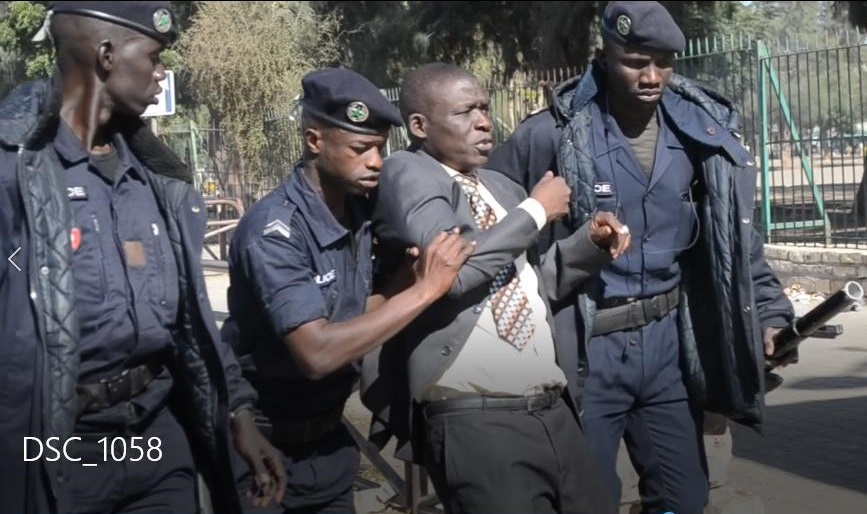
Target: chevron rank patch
[[277, 228]]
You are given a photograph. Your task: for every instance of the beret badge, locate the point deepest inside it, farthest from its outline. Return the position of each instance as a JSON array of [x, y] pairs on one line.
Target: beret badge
[[624, 24], [162, 21], [357, 112]]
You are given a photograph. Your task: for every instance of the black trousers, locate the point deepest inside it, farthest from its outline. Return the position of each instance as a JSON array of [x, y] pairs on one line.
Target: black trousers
[[143, 470], [635, 391], [500, 462], [320, 476]]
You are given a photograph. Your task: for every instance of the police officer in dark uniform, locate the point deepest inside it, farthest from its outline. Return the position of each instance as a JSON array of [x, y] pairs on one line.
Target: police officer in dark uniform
[[110, 350], [679, 323], [301, 268]]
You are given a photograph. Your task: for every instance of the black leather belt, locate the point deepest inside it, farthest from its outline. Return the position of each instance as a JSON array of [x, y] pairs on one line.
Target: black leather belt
[[122, 387], [300, 431], [632, 313], [495, 403]]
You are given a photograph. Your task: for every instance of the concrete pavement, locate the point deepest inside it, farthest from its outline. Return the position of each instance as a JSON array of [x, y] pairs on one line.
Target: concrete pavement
[[812, 457]]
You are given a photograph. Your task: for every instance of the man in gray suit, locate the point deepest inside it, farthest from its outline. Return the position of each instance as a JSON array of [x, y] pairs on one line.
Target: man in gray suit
[[490, 416]]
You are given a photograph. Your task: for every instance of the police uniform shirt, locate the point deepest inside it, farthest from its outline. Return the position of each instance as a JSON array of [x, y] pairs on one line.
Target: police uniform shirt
[[657, 206], [292, 262], [488, 365], [126, 278]]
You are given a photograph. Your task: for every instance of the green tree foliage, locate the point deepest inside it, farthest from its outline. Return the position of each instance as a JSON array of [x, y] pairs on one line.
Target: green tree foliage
[[245, 61], [813, 52], [382, 39], [819, 65], [21, 58], [854, 12], [18, 24]]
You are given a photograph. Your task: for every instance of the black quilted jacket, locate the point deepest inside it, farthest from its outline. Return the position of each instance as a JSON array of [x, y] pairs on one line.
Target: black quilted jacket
[[204, 370], [729, 292]]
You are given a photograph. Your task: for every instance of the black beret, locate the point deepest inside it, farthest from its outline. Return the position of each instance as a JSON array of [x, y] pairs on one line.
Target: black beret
[[348, 100], [643, 26], [154, 19]]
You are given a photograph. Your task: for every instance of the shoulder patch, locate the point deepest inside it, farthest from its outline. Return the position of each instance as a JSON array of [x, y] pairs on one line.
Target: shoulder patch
[[277, 227], [279, 220]]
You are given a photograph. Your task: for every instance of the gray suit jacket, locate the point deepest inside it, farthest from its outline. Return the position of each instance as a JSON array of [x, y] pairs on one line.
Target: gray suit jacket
[[416, 200]]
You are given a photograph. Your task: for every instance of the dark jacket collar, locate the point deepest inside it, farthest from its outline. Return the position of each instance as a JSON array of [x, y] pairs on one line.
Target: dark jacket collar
[[324, 226], [702, 114], [30, 116], [71, 150]]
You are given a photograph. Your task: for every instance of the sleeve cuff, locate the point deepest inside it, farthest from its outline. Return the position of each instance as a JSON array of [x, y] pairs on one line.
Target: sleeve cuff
[[775, 321], [535, 209], [594, 250], [287, 312]]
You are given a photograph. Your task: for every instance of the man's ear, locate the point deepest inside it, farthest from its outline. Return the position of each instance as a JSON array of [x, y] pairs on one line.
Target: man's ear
[[313, 140], [105, 55], [417, 125]]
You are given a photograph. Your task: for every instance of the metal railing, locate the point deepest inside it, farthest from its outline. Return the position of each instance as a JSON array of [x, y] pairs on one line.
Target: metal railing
[[804, 120], [224, 214]]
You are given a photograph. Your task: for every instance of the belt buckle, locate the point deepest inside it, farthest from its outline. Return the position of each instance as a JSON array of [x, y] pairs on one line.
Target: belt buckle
[[542, 401], [119, 387], [537, 402]]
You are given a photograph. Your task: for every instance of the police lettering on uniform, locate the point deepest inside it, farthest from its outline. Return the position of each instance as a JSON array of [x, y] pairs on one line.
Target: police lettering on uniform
[[303, 310], [677, 325], [110, 349]]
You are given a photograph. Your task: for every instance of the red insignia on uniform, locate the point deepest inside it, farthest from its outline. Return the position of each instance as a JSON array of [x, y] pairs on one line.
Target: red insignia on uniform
[[75, 238]]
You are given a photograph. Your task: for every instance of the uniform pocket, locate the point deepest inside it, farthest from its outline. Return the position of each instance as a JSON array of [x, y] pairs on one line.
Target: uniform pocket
[[95, 248], [161, 286], [90, 268], [687, 222], [162, 274]]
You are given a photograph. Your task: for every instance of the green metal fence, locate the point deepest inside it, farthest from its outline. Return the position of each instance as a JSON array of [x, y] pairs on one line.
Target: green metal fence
[[218, 170], [511, 101], [803, 119], [805, 122]]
